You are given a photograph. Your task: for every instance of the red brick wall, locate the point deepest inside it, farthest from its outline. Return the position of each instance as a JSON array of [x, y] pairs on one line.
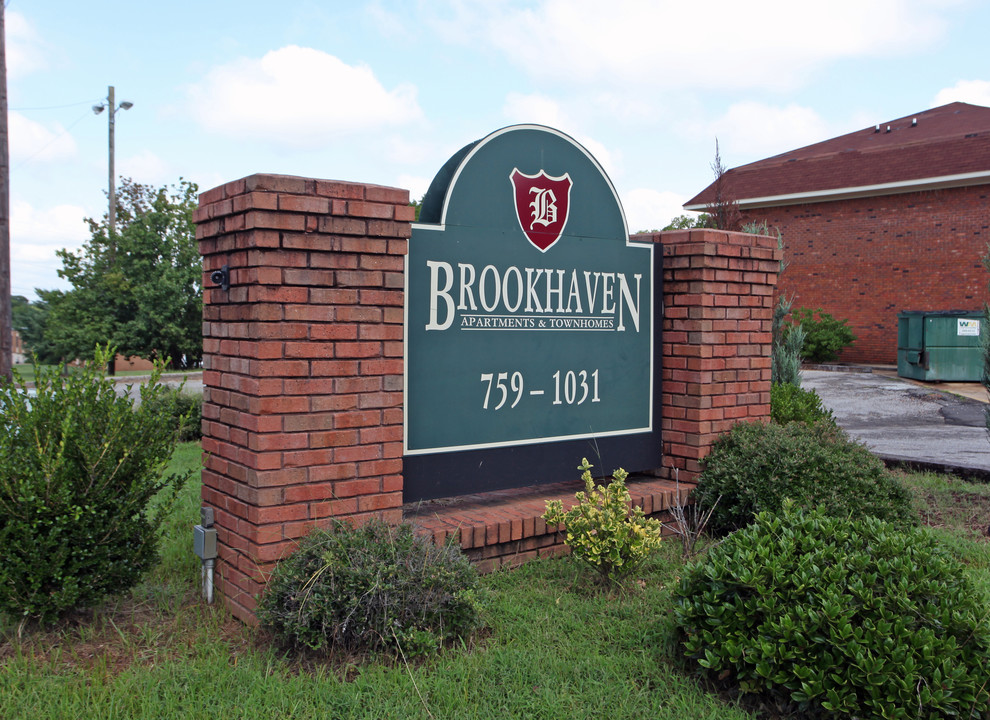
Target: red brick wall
[[868, 259], [302, 412], [718, 307]]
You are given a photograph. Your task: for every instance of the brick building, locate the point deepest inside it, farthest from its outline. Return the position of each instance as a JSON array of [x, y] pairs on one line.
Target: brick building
[[892, 217], [17, 348]]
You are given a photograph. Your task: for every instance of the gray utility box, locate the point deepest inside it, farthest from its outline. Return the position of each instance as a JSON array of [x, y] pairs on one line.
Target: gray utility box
[[940, 346], [205, 542]]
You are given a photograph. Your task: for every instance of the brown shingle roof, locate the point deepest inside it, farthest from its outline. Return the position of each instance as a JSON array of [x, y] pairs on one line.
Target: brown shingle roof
[[945, 141]]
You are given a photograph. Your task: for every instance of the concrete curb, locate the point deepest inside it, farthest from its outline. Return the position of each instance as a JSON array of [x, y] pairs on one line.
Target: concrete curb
[[964, 471], [826, 367]]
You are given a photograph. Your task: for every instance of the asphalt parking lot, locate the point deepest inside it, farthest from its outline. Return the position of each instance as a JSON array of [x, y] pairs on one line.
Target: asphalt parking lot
[[928, 425]]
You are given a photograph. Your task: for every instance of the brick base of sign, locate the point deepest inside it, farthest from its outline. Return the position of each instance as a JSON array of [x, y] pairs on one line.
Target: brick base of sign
[[505, 527], [718, 310], [302, 365], [303, 374]]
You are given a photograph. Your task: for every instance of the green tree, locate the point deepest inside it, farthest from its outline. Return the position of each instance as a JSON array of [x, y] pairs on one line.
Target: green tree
[[689, 222], [29, 320], [142, 293], [825, 336]]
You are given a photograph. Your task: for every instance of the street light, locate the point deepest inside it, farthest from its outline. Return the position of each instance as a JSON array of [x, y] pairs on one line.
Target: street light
[[112, 216]]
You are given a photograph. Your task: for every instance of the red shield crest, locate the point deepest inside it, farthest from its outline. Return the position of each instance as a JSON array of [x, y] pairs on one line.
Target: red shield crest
[[542, 203]]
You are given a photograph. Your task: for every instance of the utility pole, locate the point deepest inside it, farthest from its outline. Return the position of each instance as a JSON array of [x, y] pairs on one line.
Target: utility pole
[[112, 214], [112, 105], [6, 322]]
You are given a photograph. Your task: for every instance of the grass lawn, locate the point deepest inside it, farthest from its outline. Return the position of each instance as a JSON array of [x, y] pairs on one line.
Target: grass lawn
[[554, 648]]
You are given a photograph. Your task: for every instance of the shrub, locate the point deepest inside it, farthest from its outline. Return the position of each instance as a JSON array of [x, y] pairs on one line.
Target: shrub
[[853, 617], [602, 530], [790, 403], [824, 336], [754, 467], [787, 343], [186, 413], [371, 588], [82, 489]]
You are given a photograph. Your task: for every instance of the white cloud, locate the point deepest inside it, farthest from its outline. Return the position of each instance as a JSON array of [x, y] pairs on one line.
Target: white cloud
[[57, 227], [298, 97], [30, 140], [542, 110], [753, 130], [705, 44], [409, 151], [648, 209], [208, 179], [539, 109], [35, 235], [975, 92], [415, 184], [389, 23], [610, 162], [146, 168], [459, 22], [25, 51]]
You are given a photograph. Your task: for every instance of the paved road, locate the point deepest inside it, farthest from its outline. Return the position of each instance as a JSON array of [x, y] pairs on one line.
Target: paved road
[[902, 420], [132, 384]]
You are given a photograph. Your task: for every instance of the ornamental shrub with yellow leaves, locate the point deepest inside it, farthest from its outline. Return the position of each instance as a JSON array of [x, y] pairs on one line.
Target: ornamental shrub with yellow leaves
[[602, 530]]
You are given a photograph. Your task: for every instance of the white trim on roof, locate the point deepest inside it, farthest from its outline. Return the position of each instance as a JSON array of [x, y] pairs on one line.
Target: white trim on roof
[[892, 188]]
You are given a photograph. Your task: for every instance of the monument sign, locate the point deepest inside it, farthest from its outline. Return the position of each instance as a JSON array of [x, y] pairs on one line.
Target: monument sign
[[532, 322]]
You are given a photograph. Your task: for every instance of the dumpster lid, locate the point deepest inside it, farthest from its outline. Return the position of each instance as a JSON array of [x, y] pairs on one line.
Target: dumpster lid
[[939, 313]]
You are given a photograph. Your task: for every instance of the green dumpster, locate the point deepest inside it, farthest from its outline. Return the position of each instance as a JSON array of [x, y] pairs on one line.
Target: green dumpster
[[940, 346]]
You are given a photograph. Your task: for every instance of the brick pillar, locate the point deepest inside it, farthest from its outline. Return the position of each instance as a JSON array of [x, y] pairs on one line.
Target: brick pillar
[[718, 309], [303, 370]]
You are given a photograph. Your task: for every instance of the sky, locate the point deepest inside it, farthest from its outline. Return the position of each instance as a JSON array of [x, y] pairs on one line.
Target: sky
[[385, 92]]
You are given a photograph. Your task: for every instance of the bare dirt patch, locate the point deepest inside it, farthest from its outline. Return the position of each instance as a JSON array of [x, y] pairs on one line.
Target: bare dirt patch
[[958, 510], [120, 634]]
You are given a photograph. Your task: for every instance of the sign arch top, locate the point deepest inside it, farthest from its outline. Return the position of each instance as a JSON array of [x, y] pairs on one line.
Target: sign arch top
[[442, 192], [530, 317]]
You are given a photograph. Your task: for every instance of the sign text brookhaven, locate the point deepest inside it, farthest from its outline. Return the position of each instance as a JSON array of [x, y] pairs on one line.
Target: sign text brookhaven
[[531, 298]]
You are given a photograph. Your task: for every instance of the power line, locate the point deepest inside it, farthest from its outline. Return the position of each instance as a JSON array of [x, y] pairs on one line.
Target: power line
[[55, 107], [50, 142]]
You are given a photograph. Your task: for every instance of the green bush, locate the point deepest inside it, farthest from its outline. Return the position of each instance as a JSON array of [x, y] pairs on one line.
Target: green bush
[[824, 336], [602, 530], [851, 617], [791, 403], [82, 489], [754, 468], [186, 413], [371, 588]]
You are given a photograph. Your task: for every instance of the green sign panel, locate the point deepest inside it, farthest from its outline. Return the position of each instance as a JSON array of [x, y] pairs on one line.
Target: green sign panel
[[529, 313]]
